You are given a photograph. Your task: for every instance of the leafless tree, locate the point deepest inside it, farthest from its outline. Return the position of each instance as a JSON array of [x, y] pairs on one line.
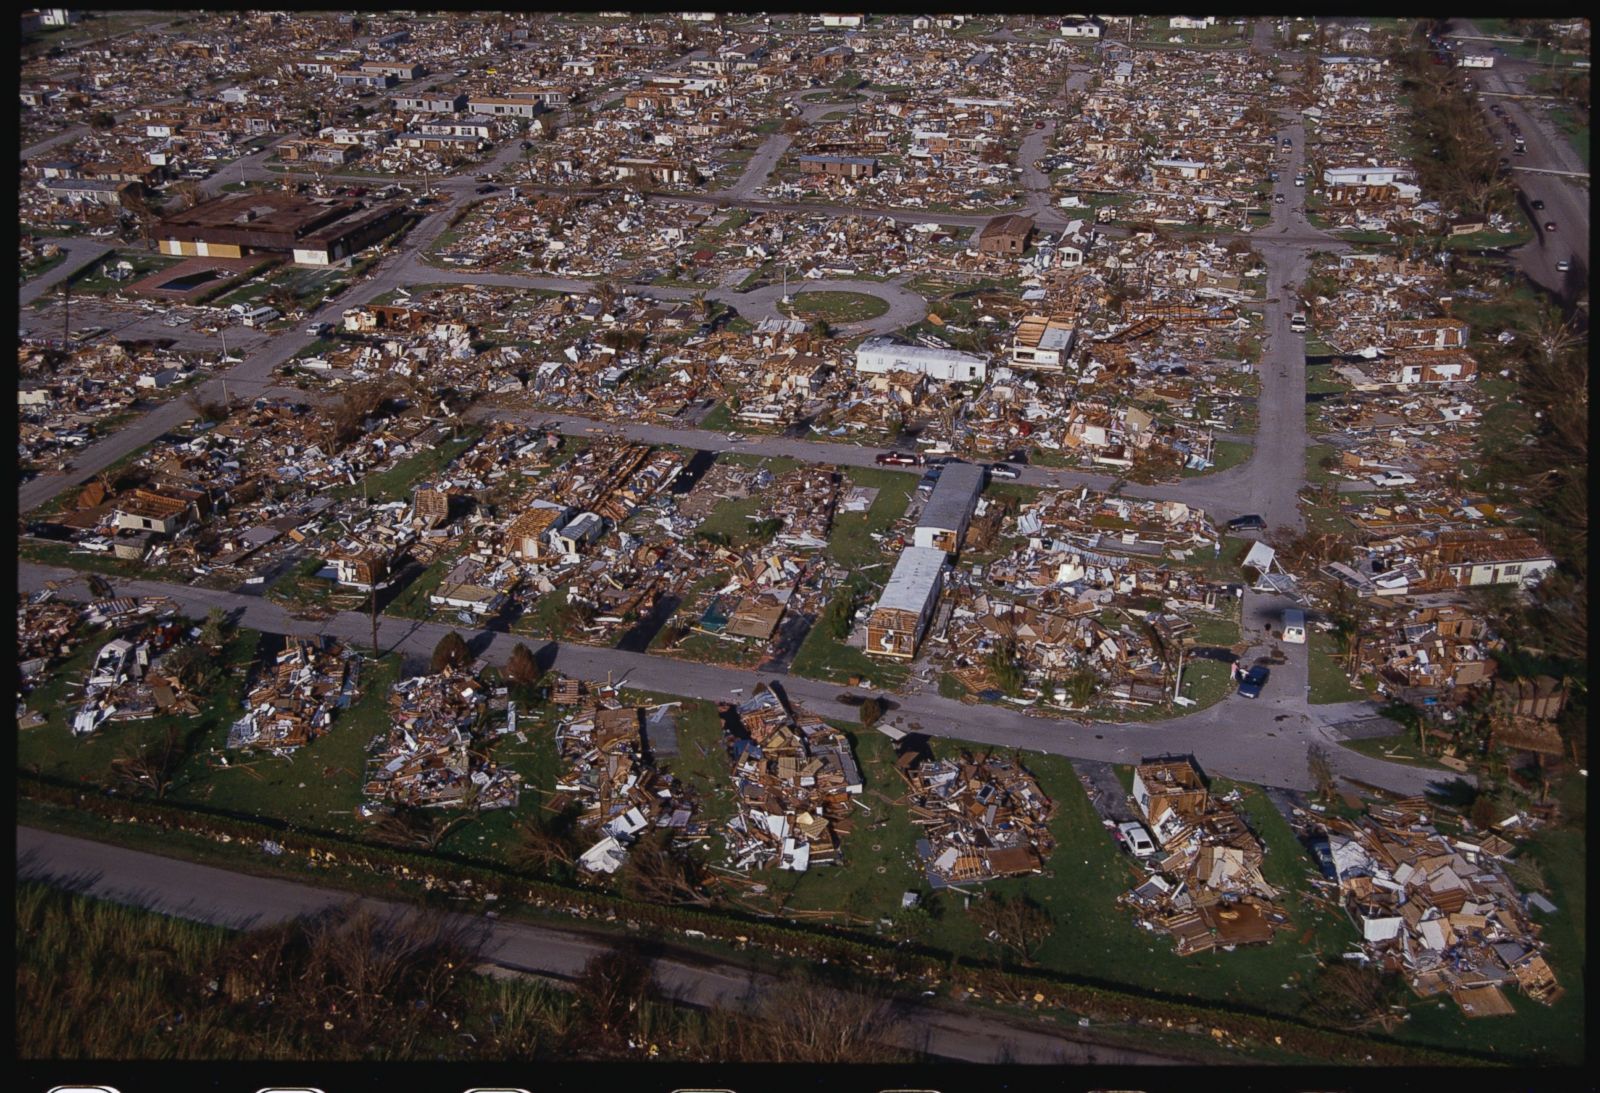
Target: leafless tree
[[606, 1002], [1017, 924], [543, 842], [655, 874], [811, 1023], [1320, 767], [1358, 998], [417, 828], [150, 767]]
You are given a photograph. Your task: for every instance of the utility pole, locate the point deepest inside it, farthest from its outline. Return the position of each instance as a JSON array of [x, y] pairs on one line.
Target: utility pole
[[66, 313], [374, 575]]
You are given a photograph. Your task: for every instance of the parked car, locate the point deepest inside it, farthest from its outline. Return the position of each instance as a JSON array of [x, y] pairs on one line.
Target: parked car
[[1563, 265], [1250, 521], [1538, 206], [1256, 678], [487, 189], [317, 330], [1277, 199], [1393, 478], [1019, 456], [1322, 851], [1138, 840], [1549, 225], [1003, 470], [899, 459]]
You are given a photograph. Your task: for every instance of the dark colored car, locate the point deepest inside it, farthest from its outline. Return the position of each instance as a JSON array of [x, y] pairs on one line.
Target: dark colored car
[[1539, 205], [1323, 853], [1020, 456], [898, 459], [1248, 522], [1256, 678], [487, 189]]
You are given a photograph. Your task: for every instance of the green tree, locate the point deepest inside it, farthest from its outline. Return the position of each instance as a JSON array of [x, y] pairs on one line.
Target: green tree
[[451, 652], [214, 633], [523, 668], [1002, 664]]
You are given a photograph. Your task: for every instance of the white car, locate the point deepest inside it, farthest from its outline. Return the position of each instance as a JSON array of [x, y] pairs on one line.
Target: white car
[[1138, 839], [1563, 265], [1393, 478]]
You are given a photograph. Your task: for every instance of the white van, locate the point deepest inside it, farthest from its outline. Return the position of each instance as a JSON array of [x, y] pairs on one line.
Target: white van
[[260, 316], [1294, 626]]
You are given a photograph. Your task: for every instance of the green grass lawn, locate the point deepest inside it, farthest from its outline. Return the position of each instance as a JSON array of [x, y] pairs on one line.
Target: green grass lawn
[[820, 657], [319, 785], [413, 603], [1217, 631], [1328, 681], [851, 544], [396, 483], [1225, 455], [1485, 239], [837, 307], [91, 281], [1576, 130], [1399, 748], [53, 751], [42, 267]]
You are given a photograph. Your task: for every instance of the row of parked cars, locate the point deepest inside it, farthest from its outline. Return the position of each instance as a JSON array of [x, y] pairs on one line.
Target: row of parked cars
[[1004, 469]]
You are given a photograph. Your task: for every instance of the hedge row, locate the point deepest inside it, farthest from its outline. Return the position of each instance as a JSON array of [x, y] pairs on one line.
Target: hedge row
[[878, 960]]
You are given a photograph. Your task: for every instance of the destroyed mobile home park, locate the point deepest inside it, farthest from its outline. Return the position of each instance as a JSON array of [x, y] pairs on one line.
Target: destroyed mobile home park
[[954, 482]]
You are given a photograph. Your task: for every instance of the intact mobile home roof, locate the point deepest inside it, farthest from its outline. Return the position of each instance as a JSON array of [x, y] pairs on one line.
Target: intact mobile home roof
[[914, 574], [952, 499]]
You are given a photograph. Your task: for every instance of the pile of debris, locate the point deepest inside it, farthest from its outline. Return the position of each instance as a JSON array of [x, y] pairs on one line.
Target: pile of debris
[[429, 758], [608, 753], [981, 818], [45, 635], [795, 776], [293, 702], [1205, 887], [1439, 908], [127, 682]]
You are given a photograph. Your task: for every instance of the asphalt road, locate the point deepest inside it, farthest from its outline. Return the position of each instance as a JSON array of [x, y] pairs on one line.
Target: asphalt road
[[1566, 200], [1262, 740], [207, 894], [80, 252]]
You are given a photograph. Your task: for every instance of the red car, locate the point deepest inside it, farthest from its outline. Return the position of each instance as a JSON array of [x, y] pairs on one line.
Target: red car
[[899, 459]]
